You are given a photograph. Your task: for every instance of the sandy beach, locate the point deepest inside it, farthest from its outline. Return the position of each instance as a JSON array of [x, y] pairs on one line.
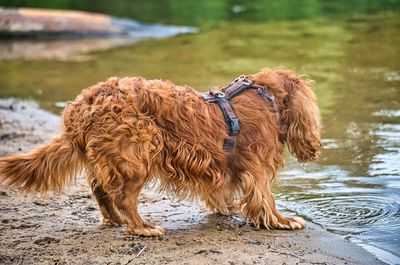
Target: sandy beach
[[66, 229]]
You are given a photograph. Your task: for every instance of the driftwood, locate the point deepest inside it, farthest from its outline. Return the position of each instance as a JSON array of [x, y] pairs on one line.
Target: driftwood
[[47, 34], [37, 22], [31, 21]]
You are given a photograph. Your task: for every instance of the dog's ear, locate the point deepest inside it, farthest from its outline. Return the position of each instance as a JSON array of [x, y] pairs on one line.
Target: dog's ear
[[300, 118]]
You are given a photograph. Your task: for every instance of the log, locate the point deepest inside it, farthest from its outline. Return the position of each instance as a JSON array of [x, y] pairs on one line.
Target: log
[[29, 21], [29, 33]]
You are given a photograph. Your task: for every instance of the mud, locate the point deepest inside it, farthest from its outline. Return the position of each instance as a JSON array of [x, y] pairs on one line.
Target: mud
[[66, 229]]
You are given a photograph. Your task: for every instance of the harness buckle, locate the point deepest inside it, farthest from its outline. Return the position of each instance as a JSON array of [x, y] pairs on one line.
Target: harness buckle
[[237, 79], [242, 79], [217, 94], [234, 126]]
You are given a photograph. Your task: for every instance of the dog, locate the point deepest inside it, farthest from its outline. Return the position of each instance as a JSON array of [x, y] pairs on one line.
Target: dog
[[126, 132]]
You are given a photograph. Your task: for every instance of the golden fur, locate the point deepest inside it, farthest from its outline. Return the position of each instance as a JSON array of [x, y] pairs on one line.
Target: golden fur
[[127, 132]]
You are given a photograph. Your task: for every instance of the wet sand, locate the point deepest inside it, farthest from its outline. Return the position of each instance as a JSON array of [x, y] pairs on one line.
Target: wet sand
[[66, 229]]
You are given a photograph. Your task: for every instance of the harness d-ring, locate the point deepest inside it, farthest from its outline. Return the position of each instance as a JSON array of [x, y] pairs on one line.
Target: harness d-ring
[[217, 93]]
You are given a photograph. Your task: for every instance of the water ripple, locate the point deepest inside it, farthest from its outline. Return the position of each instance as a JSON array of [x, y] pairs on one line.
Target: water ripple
[[352, 214]]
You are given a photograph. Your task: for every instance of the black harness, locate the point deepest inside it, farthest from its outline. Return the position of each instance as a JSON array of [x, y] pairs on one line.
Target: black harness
[[222, 98]]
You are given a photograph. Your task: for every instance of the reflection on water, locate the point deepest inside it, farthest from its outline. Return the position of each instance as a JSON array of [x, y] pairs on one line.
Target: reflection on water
[[72, 47], [58, 49], [354, 188]]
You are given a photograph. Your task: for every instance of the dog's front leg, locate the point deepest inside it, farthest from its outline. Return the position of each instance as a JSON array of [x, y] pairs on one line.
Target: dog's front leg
[[222, 201], [230, 207], [258, 205]]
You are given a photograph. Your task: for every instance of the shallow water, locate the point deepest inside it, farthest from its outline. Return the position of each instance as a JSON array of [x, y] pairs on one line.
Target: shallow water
[[354, 188]]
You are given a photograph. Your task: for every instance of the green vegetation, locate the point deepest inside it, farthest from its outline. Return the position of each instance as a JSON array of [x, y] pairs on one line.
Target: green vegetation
[[204, 12]]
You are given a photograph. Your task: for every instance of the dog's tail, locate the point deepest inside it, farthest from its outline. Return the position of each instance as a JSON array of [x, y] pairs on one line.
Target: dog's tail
[[49, 167]]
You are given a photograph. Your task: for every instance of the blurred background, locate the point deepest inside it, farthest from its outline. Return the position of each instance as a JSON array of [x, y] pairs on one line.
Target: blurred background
[[350, 48]]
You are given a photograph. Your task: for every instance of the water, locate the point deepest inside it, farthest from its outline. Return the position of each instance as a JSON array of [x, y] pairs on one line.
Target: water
[[350, 48]]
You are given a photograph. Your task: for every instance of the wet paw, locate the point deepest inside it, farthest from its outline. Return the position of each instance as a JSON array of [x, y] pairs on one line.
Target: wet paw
[[291, 223], [106, 222], [109, 222], [146, 231]]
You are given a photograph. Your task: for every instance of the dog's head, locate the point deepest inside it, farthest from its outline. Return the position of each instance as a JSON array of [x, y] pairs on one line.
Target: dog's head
[[298, 110]]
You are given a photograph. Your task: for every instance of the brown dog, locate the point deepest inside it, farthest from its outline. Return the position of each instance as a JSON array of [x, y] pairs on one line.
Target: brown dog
[[127, 132]]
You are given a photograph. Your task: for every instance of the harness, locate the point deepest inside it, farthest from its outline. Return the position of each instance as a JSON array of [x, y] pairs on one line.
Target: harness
[[222, 98]]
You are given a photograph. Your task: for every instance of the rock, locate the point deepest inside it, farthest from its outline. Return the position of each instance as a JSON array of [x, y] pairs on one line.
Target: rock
[[209, 251], [255, 242], [46, 240]]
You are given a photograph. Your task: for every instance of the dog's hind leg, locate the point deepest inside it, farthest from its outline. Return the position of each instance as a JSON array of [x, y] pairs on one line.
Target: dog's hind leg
[[122, 159], [258, 205], [107, 207], [127, 202], [119, 205], [105, 201]]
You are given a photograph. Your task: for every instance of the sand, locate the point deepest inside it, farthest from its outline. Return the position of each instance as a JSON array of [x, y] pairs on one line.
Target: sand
[[66, 229]]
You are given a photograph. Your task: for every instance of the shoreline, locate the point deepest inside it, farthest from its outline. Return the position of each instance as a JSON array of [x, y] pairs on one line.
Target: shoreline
[[65, 229]]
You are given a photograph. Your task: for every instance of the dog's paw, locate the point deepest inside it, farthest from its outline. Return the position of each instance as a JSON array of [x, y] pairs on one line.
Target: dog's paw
[[291, 223], [106, 222], [146, 231], [109, 222]]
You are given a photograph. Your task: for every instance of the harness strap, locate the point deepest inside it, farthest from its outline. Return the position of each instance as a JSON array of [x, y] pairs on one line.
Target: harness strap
[[242, 83], [230, 116], [222, 98]]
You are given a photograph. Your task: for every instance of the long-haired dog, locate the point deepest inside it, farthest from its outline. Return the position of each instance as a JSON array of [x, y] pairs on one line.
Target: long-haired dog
[[126, 132]]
